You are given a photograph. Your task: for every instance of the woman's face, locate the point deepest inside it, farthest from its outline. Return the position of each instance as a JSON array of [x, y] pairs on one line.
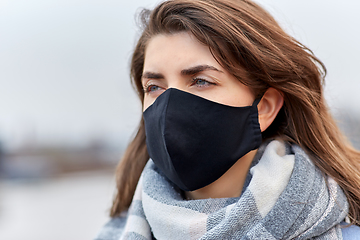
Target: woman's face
[[181, 61]]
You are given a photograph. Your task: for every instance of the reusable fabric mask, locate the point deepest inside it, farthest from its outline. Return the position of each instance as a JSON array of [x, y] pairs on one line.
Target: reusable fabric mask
[[194, 141]]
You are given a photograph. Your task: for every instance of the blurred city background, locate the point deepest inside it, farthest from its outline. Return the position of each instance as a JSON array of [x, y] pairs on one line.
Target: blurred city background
[[67, 109]]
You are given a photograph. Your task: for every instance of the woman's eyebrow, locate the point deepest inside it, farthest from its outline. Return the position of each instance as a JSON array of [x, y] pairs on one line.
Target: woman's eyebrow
[[189, 71], [152, 75], [197, 69]]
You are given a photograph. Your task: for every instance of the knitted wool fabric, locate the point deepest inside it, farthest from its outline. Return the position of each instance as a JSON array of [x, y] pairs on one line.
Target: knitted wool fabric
[[287, 197]]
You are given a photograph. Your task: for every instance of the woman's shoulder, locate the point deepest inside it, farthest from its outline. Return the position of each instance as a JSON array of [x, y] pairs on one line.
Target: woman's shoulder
[[113, 229], [350, 233]]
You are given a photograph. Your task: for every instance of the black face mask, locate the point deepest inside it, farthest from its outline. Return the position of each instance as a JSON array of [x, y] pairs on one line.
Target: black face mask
[[194, 141]]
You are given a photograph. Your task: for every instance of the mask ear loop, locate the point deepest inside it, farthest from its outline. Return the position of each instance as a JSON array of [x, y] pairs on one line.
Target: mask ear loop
[[256, 101]]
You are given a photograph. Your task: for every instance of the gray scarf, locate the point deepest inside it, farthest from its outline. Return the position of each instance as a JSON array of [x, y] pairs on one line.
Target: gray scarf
[[286, 197]]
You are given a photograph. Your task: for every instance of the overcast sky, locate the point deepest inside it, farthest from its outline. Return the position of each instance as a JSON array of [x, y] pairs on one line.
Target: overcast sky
[[64, 63]]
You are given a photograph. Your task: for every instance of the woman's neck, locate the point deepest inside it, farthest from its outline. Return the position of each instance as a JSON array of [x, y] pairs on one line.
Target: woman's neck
[[228, 185]]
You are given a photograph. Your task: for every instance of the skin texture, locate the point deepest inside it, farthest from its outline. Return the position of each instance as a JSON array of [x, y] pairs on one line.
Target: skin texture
[[181, 61]]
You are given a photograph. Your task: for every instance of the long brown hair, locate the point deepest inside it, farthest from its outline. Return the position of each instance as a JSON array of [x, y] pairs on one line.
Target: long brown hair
[[249, 44]]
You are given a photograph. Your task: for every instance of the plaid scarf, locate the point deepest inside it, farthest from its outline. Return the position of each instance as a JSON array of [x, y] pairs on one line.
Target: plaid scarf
[[285, 197]]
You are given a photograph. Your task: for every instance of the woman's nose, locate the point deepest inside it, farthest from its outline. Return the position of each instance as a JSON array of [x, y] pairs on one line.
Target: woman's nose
[[177, 83]]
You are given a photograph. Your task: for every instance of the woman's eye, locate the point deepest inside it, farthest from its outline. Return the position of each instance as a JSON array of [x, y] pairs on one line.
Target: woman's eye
[[151, 88], [201, 82]]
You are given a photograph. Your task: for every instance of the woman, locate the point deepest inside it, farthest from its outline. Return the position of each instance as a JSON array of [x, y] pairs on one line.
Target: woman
[[241, 142]]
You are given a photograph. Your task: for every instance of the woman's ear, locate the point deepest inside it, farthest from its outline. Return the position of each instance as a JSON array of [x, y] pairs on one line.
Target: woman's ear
[[269, 106]]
